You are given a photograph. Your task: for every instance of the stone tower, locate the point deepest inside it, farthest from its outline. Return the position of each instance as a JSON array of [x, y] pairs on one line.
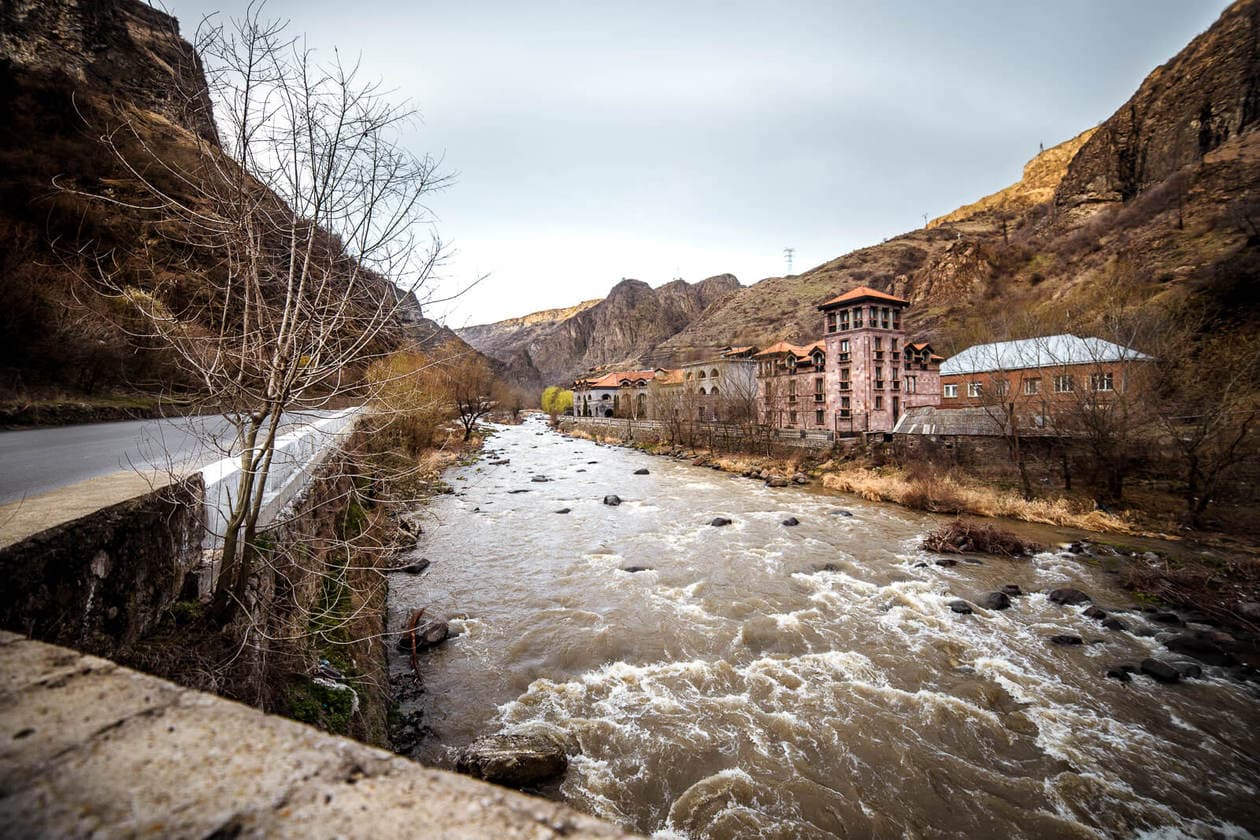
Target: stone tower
[[865, 344]]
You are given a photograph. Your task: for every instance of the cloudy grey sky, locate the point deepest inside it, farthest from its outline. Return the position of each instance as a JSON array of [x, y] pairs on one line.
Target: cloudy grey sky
[[599, 140]]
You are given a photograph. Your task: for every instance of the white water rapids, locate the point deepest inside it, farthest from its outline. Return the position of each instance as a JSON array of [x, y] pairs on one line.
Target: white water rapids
[[735, 690]]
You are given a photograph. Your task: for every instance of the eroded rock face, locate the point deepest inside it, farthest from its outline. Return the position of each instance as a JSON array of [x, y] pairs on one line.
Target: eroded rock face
[[513, 760], [1183, 110]]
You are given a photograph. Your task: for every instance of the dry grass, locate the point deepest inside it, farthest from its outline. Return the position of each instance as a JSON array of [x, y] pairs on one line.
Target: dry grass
[[941, 493]]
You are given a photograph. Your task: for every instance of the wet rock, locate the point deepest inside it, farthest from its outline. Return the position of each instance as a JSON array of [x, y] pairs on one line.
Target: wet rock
[[513, 492], [719, 521], [699, 462], [827, 567], [592, 462], [1075, 548], [642, 471], [1145, 631], [579, 469], [427, 635], [1119, 674], [777, 481], [1012, 590], [840, 512], [611, 500], [996, 601], [1249, 610], [1115, 624], [1189, 671], [960, 606], [945, 562], [1094, 612], [564, 510], [1068, 596], [633, 569], [920, 565], [791, 520], [414, 568], [973, 561], [540, 479], [1161, 671], [1202, 649], [1166, 618], [800, 478], [513, 760], [1066, 639], [502, 462]]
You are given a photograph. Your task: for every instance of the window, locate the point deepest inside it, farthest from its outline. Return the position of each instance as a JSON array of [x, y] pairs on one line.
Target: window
[[950, 391], [818, 389], [1001, 387], [1064, 384], [973, 389], [1101, 382], [879, 343], [713, 391], [893, 342], [818, 417], [844, 402], [844, 345], [1032, 386], [831, 322], [879, 403], [912, 385], [791, 418]]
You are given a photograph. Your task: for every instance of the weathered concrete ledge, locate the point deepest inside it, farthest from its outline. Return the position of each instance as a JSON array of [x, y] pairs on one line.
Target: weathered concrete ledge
[[89, 748]]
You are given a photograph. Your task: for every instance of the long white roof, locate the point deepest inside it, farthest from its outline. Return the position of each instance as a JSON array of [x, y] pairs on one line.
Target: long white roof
[[1044, 351]]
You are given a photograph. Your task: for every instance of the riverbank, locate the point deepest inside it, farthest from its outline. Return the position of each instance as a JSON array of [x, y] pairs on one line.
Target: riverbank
[[1214, 574]]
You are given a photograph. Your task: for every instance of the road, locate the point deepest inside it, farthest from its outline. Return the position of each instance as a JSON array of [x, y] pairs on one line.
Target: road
[[34, 461]]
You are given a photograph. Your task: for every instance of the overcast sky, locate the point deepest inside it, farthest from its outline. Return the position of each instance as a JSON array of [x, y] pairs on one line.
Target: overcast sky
[[595, 140]]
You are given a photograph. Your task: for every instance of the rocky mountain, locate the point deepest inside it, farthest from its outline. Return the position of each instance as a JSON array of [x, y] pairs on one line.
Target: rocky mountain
[[1159, 203], [70, 72], [623, 328]]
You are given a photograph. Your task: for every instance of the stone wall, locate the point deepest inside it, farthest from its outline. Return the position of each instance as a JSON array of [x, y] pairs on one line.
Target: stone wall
[[101, 582]]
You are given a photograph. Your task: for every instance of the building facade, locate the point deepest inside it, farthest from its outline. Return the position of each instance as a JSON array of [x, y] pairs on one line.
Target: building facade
[[792, 387], [621, 393]]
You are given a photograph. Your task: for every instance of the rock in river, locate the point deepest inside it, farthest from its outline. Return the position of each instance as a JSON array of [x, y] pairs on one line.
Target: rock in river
[[719, 521], [428, 635], [414, 568], [641, 471], [791, 520], [612, 500], [1202, 649], [1012, 590], [633, 569], [996, 601], [1066, 639], [563, 510], [1161, 671], [1114, 624], [960, 606], [513, 760], [1068, 596]]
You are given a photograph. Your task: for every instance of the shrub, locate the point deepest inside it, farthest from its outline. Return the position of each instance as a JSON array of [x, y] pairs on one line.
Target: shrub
[[962, 537]]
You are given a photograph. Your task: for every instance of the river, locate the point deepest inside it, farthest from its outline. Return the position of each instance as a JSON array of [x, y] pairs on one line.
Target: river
[[738, 689]]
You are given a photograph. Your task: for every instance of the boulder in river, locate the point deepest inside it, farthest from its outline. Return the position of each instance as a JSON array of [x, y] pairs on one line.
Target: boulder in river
[[502, 462], [946, 562], [1189, 671], [1012, 590], [777, 481], [1202, 649], [539, 479], [1066, 639], [513, 760], [1166, 618], [1119, 674], [791, 520], [414, 568], [633, 569], [642, 471], [427, 635], [960, 606], [513, 492], [800, 478], [611, 500], [1068, 596], [1095, 612], [719, 521], [840, 512], [1161, 671], [996, 601], [564, 510], [1112, 623]]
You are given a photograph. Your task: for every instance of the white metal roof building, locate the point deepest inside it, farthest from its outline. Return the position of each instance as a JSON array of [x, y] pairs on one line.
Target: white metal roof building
[[1042, 352]]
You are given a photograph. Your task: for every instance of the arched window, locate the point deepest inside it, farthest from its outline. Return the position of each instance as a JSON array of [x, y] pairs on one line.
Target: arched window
[[700, 375], [702, 391], [713, 374], [713, 391]]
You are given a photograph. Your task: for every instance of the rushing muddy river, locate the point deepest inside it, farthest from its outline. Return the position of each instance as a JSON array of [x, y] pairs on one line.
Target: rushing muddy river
[[737, 688]]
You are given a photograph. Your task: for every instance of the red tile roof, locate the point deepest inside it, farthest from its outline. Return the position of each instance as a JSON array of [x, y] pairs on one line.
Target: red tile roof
[[862, 293]]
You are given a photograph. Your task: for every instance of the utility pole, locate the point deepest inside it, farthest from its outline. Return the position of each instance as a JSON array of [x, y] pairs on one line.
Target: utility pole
[[787, 255]]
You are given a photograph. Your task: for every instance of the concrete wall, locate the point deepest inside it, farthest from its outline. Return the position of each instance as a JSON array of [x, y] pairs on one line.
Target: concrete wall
[[89, 748], [100, 582]]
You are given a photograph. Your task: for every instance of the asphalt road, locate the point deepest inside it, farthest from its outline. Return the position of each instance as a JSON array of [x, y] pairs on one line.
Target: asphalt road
[[34, 461]]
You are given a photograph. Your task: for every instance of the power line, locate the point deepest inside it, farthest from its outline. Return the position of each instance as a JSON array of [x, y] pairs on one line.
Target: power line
[[787, 255]]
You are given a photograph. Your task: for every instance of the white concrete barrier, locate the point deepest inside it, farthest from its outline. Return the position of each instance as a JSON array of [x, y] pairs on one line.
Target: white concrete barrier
[[299, 453]]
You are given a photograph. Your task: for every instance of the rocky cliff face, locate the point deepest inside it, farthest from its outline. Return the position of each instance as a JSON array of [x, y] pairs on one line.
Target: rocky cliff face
[[621, 329], [1185, 109], [71, 71]]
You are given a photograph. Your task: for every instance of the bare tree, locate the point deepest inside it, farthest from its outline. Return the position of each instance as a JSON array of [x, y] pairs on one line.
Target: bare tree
[[284, 247], [472, 387]]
